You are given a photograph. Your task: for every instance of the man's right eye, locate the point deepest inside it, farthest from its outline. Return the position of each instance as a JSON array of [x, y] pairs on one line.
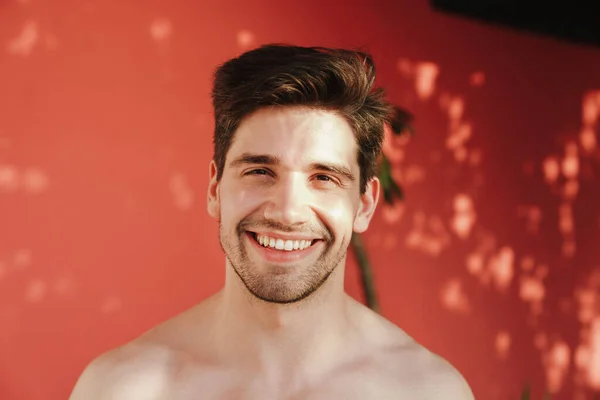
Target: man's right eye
[[258, 171]]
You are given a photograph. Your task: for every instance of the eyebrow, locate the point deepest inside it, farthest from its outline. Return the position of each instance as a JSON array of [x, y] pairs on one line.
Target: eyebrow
[[265, 159]]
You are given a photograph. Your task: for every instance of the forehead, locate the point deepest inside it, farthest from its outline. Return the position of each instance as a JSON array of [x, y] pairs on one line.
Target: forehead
[[296, 135]]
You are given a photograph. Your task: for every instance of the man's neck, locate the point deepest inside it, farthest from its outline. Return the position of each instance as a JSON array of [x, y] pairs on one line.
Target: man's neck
[[273, 337]]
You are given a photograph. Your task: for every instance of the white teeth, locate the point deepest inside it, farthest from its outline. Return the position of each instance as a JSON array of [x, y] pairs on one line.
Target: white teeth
[[280, 244]]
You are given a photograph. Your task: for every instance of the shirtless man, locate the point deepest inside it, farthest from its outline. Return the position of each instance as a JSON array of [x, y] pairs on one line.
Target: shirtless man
[[298, 132]]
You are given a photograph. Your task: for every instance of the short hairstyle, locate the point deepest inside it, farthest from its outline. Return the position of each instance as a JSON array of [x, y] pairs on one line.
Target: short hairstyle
[[279, 75]]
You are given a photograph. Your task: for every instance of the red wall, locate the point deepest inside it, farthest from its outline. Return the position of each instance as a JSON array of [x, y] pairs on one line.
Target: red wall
[[105, 138]]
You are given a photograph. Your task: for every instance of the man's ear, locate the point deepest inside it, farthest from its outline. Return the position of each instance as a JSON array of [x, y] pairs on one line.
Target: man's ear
[[214, 202], [367, 206]]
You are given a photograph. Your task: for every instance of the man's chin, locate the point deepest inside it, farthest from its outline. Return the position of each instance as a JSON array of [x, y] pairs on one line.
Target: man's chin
[[279, 285], [280, 298]]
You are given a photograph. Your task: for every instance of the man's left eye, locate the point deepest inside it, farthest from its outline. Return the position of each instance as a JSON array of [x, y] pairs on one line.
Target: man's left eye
[[324, 178]]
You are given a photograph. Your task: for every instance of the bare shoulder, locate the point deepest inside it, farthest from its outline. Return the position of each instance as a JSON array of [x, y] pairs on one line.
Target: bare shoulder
[[425, 374], [144, 368], [432, 376], [416, 371], [139, 370]]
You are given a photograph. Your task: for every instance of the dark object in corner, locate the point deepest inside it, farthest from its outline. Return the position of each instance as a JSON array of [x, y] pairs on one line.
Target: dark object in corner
[[575, 21]]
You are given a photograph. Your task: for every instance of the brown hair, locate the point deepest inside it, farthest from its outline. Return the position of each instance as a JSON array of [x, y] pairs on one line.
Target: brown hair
[[284, 75]]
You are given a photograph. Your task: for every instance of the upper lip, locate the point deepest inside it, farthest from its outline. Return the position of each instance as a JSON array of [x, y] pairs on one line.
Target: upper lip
[[286, 236]]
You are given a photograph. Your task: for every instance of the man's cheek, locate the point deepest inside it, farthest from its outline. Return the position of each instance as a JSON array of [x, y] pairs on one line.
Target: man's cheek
[[335, 210]]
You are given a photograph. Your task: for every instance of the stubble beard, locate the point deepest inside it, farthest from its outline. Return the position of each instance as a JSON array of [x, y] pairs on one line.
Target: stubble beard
[[279, 288]]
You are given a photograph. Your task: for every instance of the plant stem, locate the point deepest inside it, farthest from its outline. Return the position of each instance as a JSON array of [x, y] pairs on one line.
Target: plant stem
[[366, 273]]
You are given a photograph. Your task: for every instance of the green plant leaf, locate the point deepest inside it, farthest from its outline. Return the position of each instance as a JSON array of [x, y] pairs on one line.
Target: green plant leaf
[[526, 395], [366, 273], [391, 190]]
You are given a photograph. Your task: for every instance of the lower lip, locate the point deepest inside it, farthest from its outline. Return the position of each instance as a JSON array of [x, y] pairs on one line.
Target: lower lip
[[282, 256]]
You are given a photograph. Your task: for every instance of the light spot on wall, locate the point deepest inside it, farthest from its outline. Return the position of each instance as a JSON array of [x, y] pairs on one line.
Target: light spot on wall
[[566, 226], [245, 39], [455, 107], [35, 180], [501, 267], [586, 298], [582, 361], [394, 145], [404, 67], [423, 73], [32, 180], [475, 264], [587, 354], [532, 215], [111, 305], [459, 131], [457, 139], [551, 170], [35, 291], [588, 140], [454, 298], [570, 190], [590, 108], [161, 30], [428, 235], [3, 269], [532, 291], [23, 44], [183, 195], [570, 164], [64, 286], [426, 74], [502, 344], [413, 174], [464, 216], [9, 178], [477, 79], [392, 213], [22, 258], [557, 360], [589, 119], [593, 377]]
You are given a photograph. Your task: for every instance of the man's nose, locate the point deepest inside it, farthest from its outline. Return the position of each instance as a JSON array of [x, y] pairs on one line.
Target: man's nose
[[289, 202]]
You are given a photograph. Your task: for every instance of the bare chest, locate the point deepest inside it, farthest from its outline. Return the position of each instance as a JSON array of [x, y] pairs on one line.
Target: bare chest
[[350, 385]]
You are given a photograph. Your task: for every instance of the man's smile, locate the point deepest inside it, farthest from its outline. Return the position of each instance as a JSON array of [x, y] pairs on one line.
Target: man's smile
[[283, 249]]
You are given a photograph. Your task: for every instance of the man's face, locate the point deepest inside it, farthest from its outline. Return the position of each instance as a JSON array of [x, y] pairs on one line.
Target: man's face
[[289, 200]]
